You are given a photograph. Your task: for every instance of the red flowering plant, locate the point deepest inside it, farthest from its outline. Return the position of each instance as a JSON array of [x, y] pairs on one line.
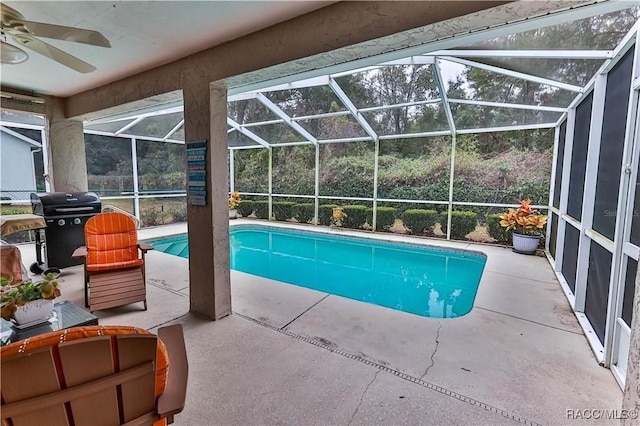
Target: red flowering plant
[[524, 220]]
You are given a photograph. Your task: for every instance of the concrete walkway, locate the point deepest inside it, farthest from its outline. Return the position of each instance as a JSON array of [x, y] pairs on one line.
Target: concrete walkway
[[290, 355]]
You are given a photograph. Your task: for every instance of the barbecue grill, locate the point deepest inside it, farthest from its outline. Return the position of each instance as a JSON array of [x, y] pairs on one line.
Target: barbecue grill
[[65, 214]]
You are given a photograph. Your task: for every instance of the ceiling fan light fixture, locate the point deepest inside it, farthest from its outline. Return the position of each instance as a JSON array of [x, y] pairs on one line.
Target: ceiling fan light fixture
[[10, 54]]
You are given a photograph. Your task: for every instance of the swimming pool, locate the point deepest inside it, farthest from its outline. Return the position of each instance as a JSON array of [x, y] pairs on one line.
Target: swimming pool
[[431, 282]]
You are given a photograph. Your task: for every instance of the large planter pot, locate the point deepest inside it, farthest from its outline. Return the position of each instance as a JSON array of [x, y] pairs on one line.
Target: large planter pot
[[337, 214], [34, 312], [525, 244], [233, 213]]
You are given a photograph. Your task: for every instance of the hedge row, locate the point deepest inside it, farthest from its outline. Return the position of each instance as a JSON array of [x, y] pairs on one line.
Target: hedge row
[[419, 221]]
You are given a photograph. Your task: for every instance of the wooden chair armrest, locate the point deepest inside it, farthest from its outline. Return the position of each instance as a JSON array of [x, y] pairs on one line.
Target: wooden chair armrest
[[173, 398], [80, 252], [144, 246]]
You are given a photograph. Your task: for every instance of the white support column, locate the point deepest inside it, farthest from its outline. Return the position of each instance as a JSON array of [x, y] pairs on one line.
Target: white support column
[[554, 170], [452, 168], [631, 397], [45, 159], [589, 194], [376, 155], [624, 214], [232, 170], [452, 126], [270, 184], [136, 190], [317, 187], [564, 192]]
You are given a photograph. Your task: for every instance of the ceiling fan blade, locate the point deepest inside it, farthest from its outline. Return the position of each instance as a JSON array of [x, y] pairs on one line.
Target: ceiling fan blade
[[60, 32], [10, 54], [53, 53]]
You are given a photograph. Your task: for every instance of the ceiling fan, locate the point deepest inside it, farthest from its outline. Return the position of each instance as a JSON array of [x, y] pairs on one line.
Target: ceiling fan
[[24, 33]]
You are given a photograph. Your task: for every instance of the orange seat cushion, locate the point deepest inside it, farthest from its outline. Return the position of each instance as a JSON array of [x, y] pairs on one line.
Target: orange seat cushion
[[112, 242]]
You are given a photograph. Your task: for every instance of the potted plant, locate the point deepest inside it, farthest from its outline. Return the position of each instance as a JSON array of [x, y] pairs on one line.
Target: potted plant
[[337, 216], [28, 302], [234, 201], [527, 225]]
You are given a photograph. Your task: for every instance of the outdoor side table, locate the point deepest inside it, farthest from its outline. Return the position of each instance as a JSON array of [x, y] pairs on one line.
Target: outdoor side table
[[66, 315]]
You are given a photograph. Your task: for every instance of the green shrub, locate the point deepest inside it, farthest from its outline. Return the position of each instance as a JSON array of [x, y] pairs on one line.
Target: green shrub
[[179, 213], [355, 216], [245, 208], [462, 222], [419, 220], [282, 210], [325, 212], [14, 210], [385, 217], [151, 216], [496, 231], [303, 212], [261, 209]]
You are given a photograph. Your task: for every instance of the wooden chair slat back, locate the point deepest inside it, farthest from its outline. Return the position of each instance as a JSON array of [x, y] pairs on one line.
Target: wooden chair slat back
[[18, 369], [137, 395], [83, 361], [105, 382]]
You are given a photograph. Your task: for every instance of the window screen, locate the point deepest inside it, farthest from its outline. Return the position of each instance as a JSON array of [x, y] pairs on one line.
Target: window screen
[[559, 162], [570, 257], [595, 307], [612, 146], [579, 157], [629, 291], [635, 221], [554, 235]]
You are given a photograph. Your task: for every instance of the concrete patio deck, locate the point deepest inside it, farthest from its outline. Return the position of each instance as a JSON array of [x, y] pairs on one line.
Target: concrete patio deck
[[291, 355]]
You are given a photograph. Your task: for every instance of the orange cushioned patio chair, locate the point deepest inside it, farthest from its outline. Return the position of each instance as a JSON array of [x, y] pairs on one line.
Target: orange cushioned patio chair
[[95, 375], [114, 270]]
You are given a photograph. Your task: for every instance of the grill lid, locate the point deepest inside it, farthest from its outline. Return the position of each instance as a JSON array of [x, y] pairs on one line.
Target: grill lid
[[65, 203]]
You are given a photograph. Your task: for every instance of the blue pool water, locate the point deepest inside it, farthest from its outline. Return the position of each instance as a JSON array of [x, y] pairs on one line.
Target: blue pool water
[[432, 282]]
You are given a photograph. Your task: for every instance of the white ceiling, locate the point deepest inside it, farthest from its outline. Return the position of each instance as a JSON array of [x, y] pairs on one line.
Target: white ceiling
[[143, 35]]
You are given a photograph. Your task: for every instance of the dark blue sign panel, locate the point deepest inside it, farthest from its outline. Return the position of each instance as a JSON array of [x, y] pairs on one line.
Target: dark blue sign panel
[[197, 172]]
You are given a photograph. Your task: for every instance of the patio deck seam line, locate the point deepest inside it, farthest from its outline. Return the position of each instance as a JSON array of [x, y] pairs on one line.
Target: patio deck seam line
[[167, 322], [305, 311], [396, 373], [170, 290], [578, 333], [553, 282]]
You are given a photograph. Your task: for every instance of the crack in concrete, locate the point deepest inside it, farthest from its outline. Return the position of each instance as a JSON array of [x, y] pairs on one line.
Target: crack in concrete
[[434, 352], [396, 373], [362, 396]]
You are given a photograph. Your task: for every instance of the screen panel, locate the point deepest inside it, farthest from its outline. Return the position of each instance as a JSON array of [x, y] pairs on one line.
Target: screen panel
[[554, 234], [559, 164], [635, 220], [570, 257], [612, 146], [579, 157], [629, 291], [597, 296]]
